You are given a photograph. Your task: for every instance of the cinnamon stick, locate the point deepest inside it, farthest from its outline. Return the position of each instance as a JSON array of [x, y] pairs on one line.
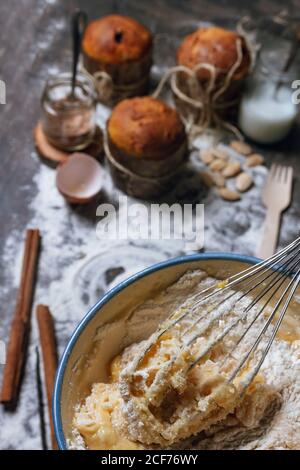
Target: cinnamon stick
[[18, 340], [39, 385], [49, 352]]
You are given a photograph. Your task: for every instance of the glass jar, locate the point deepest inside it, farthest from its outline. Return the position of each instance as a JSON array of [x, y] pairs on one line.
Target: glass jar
[[68, 119]]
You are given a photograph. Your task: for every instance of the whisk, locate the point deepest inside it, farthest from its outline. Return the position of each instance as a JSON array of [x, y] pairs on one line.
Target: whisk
[[273, 281], [227, 329]]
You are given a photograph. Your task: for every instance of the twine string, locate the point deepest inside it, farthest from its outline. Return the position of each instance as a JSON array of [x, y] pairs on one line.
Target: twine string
[[204, 97], [204, 103], [231, 72], [159, 181], [106, 87]]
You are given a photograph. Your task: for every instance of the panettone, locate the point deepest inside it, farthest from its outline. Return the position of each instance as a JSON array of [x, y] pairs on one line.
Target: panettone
[[147, 137], [218, 84], [121, 47], [215, 46]]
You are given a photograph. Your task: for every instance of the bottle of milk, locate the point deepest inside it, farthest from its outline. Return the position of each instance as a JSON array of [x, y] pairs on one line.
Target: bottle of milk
[[269, 106], [266, 113]]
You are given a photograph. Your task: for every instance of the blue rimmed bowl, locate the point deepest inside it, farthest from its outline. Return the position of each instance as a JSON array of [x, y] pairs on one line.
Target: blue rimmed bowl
[[75, 373]]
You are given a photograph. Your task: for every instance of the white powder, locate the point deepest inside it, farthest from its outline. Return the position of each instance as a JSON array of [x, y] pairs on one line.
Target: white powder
[[281, 368], [76, 268]]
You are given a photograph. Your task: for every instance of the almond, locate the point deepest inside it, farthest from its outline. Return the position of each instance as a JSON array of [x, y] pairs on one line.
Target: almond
[[207, 156], [217, 165], [254, 160], [229, 195], [240, 147], [219, 153], [219, 180], [231, 169], [243, 182]]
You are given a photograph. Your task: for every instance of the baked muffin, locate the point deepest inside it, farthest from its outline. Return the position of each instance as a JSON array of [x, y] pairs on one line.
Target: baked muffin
[[217, 47], [121, 47], [147, 145]]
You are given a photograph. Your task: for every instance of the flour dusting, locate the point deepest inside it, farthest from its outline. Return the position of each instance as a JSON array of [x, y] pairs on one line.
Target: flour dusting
[[76, 268], [268, 416]]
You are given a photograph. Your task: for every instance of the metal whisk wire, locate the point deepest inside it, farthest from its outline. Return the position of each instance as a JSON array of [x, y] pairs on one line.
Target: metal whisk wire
[[278, 275], [292, 286], [261, 268]]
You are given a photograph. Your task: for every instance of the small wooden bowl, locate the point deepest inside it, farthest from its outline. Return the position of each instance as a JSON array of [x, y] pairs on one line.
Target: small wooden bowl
[[79, 179]]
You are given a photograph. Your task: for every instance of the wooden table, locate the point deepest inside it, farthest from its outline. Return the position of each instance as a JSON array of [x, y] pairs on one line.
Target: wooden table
[[34, 42]]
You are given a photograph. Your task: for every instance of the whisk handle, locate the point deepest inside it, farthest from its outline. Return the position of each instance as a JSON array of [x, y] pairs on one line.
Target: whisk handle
[[270, 234]]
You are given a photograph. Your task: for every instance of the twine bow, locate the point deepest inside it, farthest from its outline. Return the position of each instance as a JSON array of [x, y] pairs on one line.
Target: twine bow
[[203, 97], [107, 89]]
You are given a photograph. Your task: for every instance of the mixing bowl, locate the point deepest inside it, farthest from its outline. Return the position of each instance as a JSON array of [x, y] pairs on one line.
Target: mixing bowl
[[73, 379]]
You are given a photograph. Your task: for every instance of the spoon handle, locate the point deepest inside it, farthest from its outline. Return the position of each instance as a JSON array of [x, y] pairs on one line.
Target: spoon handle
[[79, 21]]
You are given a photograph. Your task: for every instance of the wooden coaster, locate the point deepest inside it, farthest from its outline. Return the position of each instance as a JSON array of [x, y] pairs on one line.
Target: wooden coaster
[[55, 156]]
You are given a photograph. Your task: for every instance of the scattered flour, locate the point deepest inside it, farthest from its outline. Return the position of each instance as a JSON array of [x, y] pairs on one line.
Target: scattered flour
[[76, 268], [281, 369]]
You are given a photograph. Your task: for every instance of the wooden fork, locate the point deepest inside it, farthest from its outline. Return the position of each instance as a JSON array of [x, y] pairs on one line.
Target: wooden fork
[[276, 196]]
